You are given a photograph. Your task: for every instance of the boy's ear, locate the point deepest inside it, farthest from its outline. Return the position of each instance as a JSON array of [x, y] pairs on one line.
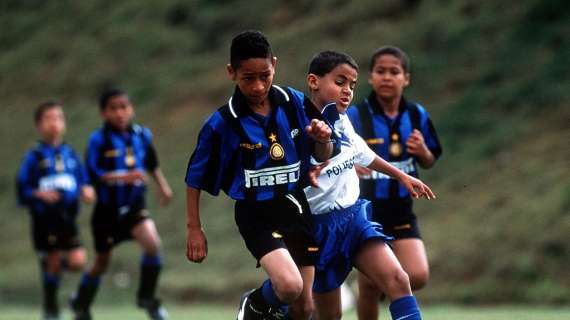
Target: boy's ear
[[407, 77], [231, 72], [313, 82], [273, 61]]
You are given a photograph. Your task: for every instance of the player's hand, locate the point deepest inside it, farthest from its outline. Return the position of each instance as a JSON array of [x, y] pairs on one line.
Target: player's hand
[[48, 196], [315, 172], [362, 171], [88, 194], [416, 144], [196, 245], [416, 187], [164, 195], [319, 131]]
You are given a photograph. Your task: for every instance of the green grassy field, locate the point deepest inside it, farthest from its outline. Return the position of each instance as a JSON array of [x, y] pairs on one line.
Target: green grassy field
[[215, 312]]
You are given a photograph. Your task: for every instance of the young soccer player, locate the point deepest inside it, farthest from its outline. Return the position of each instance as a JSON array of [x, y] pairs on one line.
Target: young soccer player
[[345, 236], [118, 156], [401, 132], [256, 149], [50, 183]]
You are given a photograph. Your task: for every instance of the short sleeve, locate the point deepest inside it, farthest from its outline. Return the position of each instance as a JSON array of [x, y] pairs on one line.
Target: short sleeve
[[208, 163], [430, 135], [80, 172], [25, 183], [94, 148], [151, 157]]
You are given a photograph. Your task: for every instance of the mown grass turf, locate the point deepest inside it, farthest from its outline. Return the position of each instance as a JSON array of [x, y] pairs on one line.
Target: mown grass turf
[[225, 312]]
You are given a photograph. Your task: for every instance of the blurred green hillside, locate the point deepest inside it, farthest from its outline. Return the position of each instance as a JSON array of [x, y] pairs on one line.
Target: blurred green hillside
[[494, 75]]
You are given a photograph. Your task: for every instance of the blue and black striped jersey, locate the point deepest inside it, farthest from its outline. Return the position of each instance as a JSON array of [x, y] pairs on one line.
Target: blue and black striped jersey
[[46, 167], [250, 156], [387, 137], [113, 151]]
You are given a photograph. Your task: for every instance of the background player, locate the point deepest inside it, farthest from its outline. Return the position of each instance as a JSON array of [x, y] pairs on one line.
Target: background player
[[401, 132], [50, 182], [118, 156]]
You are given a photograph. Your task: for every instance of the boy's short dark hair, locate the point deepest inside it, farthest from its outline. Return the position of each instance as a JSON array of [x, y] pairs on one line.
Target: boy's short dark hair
[[325, 61], [249, 44], [107, 94], [394, 51], [43, 108]]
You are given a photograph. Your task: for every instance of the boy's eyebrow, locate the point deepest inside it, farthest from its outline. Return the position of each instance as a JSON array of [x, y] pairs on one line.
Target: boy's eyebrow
[[345, 77], [260, 72]]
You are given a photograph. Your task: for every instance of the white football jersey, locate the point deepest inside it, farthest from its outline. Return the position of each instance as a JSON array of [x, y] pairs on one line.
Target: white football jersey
[[338, 182]]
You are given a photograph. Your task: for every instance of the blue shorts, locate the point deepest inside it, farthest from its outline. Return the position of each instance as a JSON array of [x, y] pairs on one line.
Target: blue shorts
[[339, 235]]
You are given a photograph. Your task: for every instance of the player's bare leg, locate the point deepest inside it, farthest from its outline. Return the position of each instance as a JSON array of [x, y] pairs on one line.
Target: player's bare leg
[[328, 305], [412, 256], [302, 307], [147, 237]]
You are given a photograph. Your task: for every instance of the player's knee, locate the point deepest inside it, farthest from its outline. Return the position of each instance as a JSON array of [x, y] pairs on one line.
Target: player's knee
[[53, 267], [152, 249], [419, 279], [76, 264], [398, 284], [402, 280], [289, 288]]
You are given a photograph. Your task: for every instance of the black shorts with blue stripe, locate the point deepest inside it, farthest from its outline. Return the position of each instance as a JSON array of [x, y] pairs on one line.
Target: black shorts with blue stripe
[[283, 222]]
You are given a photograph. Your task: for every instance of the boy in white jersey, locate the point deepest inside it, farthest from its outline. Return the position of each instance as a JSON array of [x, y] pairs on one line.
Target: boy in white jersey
[[345, 236]]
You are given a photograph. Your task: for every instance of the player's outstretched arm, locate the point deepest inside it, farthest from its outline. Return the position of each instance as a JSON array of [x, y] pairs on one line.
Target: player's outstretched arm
[[415, 186], [196, 242], [164, 190]]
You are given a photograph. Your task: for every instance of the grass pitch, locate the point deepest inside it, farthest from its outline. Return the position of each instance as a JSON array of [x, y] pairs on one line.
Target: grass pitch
[[217, 312]]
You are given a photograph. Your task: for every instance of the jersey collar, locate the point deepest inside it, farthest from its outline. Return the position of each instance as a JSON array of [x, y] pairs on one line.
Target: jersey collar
[[377, 108], [108, 127], [238, 102]]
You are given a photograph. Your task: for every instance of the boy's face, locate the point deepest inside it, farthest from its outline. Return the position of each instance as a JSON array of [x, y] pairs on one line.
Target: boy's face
[[118, 112], [51, 124], [388, 78], [254, 77], [336, 86]]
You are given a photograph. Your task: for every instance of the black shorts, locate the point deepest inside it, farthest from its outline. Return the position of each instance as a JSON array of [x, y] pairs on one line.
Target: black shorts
[[109, 227], [397, 217], [53, 231], [278, 223]]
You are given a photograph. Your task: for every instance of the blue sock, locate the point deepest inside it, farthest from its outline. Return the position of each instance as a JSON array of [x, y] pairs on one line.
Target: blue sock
[[151, 260], [89, 281], [405, 308], [51, 278], [269, 294]]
